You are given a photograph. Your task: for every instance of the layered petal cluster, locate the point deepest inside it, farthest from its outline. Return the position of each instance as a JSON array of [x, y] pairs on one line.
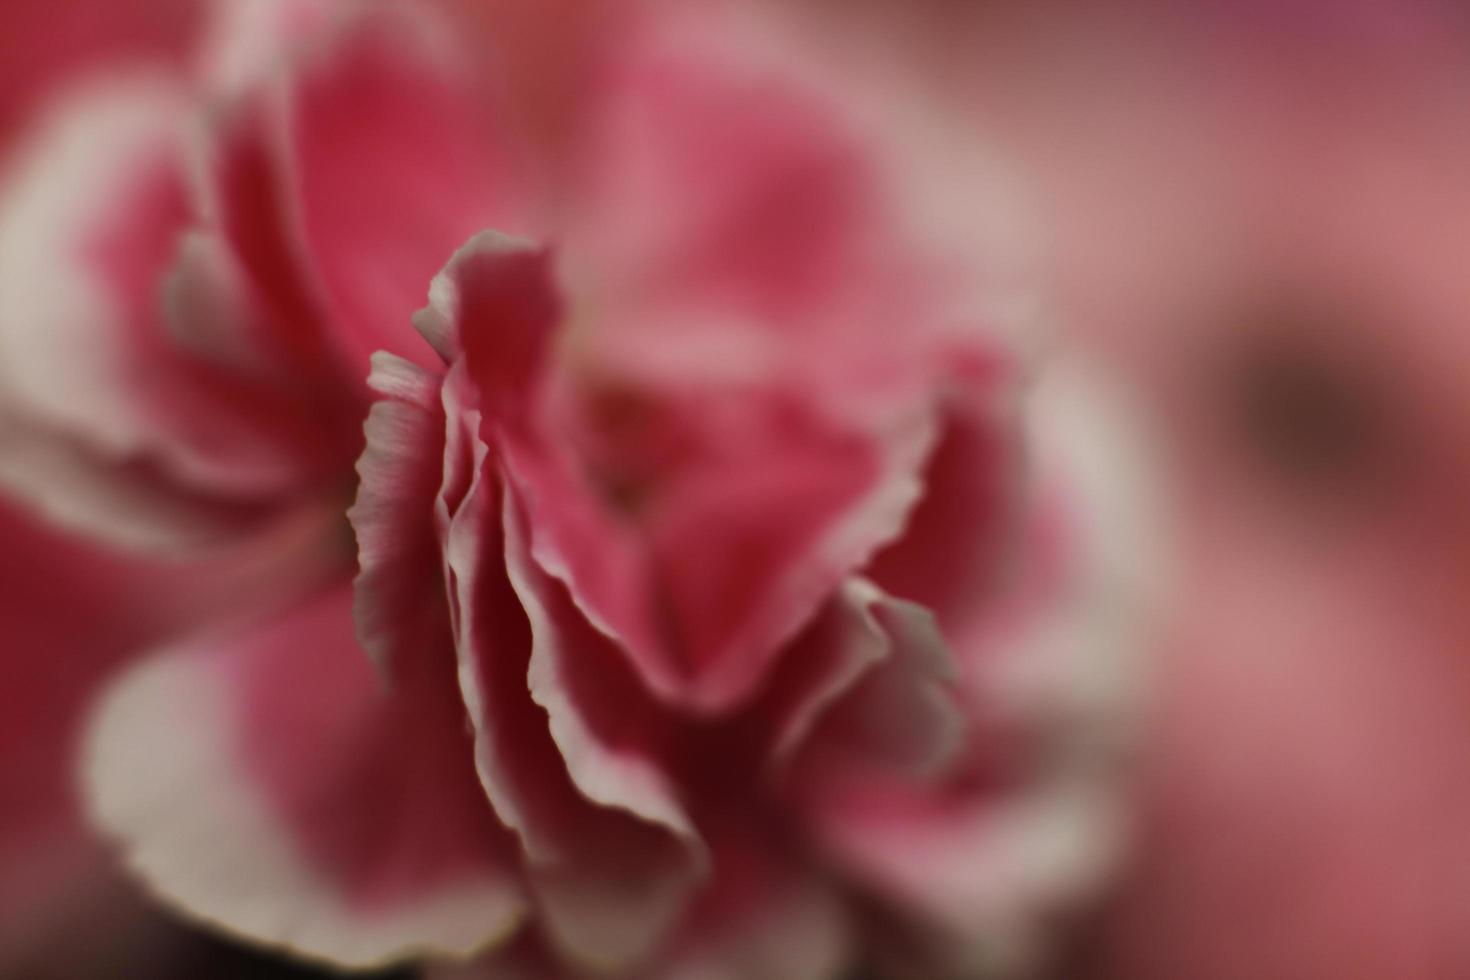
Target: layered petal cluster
[[727, 601], [603, 533], [186, 317], [756, 606]]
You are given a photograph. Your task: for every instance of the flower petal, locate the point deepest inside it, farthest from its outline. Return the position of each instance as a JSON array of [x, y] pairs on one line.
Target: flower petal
[[398, 164], [608, 884], [266, 783], [953, 550], [399, 603], [763, 915], [1029, 820], [86, 243], [49, 44], [132, 337], [900, 720], [729, 423], [605, 726], [712, 525], [832, 655], [495, 301]]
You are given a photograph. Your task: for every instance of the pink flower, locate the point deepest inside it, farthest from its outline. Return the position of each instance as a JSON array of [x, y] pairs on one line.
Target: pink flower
[[786, 627]]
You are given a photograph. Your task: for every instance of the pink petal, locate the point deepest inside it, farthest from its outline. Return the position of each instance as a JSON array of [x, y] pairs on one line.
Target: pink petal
[[728, 201], [398, 164], [496, 300], [544, 55], [764, 914], [953, 552], [71, 614], [608, 884], [712, 525], [464, 454], [45, 44], [66, 480], [250, 199], [266, 783], [87, 248], [399, 591], [248, 195], [246, 41], [1026, 823], [686, 477], [762, 211], [607, 729], [900, 720], [747, 539], [832, 655], [133, 344]]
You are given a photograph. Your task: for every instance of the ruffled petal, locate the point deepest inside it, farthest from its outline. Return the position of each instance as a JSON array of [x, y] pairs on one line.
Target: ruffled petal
[[1027, 821], [898, 721], [954, 549], [496, 303], [830, 657], [266, 783], [731, 423], [608, 731], [608, 884], [399, 603]]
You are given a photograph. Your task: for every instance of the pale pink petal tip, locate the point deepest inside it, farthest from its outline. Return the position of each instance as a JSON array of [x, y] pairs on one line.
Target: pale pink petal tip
[[258, 817]]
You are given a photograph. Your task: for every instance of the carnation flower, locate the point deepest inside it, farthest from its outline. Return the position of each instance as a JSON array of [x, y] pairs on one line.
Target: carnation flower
[[729, 601]]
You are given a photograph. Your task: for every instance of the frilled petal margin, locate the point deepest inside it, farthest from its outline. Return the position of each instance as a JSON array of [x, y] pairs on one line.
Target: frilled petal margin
[[608, 730], [723, 259], [608, 883], [704, 570], [399, 602], [264, 782], [898, 720], [1025, 825], [566, 743], [952, 554]]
